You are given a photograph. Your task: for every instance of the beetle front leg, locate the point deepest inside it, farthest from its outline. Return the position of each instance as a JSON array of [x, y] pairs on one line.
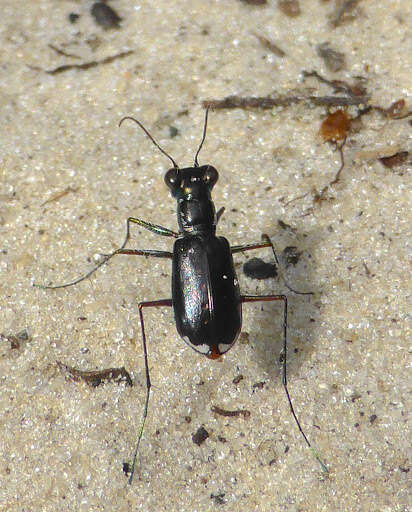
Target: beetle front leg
[[159, 230]]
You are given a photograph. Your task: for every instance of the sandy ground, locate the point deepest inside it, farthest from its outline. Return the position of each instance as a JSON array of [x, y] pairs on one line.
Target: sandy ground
[[69, 180]]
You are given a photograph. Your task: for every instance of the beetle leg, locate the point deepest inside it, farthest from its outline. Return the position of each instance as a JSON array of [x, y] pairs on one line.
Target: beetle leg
[[270, 298], [159, 230], [248, 247], [155, 228], [141, 305], [219, 213]]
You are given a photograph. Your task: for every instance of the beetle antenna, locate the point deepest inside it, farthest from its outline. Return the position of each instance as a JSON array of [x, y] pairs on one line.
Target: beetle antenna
[[203, 138], [175, 166]]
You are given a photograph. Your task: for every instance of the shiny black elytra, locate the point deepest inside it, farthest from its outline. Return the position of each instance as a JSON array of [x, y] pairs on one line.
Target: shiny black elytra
[[206, 298]]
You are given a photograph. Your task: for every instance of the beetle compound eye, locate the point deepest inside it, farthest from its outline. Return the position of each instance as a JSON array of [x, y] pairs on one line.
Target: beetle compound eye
[[210, 175], [173, 179]]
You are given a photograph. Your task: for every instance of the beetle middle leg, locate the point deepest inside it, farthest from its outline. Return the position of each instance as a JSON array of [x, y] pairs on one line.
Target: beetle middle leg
[[155, 228], [141, 305], [283, 298]]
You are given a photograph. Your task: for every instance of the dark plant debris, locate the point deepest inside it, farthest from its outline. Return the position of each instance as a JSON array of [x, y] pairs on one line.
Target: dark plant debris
[[250, 102], [334, 60], [354, 95], [237, 379], [230, 414], [200, 436], [219, 499], [73, 17], [16, 340], [287, 227], [323, 194], [104, 15], [96, 377], [255, 268], [356, 89], [271, 101], [367, 271], [395, 160], [59, 51], [270, 45], [290, 8], [59, 195], [338, 123], [254, 2], [258, 385], [345, 11], [372, 418], [394, 111], [85, 65]]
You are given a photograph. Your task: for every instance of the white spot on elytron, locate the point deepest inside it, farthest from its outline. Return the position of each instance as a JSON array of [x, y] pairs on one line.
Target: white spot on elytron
[[224, 276], [203, 349], [224, 347]]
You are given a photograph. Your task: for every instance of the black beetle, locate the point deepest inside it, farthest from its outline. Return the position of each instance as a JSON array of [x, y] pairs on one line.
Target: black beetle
[[206, 298]]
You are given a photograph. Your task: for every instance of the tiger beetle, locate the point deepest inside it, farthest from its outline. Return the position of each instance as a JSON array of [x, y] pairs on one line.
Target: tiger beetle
[[206, 299]]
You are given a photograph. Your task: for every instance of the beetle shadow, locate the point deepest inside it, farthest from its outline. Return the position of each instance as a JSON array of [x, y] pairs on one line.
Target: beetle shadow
[[303, 310]]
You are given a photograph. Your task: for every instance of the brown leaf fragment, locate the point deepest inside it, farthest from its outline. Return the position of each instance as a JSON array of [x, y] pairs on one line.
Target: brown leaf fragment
[[396, 108], [335, 127]]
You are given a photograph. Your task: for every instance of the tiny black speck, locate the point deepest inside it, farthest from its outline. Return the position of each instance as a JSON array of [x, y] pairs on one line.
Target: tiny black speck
[[105, 16], [218, 498], [73, 17], [200, 436]]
